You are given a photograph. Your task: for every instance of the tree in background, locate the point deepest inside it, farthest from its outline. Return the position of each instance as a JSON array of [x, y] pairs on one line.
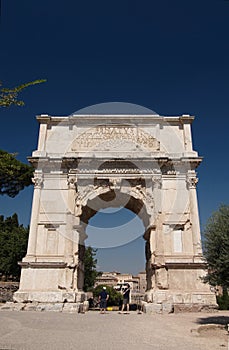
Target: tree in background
[[14, 175], [90, 272], [216, 251], [13, 245], [216, 247], [9, 97]]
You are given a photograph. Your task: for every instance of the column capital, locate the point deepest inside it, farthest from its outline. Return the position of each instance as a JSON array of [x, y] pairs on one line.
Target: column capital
[[157, 180], [191, 180], [72, 181], [38, 180]]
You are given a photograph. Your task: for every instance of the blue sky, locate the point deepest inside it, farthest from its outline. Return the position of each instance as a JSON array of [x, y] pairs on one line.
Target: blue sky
[[169, 56]]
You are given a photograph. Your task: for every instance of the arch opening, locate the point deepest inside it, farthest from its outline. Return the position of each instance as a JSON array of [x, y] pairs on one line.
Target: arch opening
[[115, 222], [115, 199]]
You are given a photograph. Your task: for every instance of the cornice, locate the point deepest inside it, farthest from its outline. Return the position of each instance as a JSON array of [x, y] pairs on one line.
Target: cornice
[[114, 118]]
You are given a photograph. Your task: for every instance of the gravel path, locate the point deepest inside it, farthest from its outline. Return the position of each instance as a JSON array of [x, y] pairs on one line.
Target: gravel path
[[29, 330]]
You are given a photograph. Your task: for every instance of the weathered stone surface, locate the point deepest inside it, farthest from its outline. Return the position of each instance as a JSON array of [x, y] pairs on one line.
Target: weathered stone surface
[[71, 307], [157, 308], [167, 308], [162, 278], [80, 297], [193, 307], [86, 305], [144, 163], [11, 306], [160, 296], [21, 297], [57, 307], [151, 308], [69, 297], [31, 306]]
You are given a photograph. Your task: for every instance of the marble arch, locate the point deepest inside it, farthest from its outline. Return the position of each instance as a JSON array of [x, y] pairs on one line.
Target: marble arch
[[143, 162]]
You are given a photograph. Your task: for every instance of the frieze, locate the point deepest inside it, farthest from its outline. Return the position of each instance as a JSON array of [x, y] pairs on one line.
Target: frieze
[[116, 171]]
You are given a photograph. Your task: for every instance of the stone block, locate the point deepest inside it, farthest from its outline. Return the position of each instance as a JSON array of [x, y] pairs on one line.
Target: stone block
[[149, 296], [187, 308], [162, 278], [7, 306], [187, 298], [82, 308], [167, 308], [86, 305], [197, 298], [71, 307], [178, 298], [31, 306], [80, 297], [57, 307], [12, 306], [21, 297], [40, 307], [18, 306], [69, 297], [46, 297], [159, 297], [151, 308]]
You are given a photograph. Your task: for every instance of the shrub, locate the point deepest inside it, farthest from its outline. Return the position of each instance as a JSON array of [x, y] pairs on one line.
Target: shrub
[[223, 300], [114, 296]]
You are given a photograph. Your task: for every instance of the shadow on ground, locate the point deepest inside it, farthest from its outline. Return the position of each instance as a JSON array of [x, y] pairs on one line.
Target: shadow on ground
[[222, 320]]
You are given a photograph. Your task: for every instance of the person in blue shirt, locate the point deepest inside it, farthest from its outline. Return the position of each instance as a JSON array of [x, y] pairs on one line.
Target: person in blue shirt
[[103, 297]]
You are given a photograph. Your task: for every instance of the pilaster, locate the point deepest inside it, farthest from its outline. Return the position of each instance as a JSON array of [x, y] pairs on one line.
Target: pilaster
[[194, 212], [38, 183]]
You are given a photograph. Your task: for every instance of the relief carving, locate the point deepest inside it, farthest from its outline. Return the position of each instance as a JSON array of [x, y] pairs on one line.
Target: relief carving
[[138, 192], [115, 183], [102, 186], [84, 193]]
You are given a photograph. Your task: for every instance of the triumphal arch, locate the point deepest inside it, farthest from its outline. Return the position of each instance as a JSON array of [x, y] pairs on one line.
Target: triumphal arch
[[145, 163]]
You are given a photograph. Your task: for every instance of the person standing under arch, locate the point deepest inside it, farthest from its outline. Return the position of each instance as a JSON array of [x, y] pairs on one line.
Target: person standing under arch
[[126, 299], [103, 297]]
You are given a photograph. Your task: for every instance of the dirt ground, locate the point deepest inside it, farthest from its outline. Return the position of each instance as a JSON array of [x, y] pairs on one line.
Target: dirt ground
[[29, 330]]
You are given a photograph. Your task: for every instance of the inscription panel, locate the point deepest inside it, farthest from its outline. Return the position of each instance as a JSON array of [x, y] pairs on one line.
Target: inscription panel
[[115, 137]]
